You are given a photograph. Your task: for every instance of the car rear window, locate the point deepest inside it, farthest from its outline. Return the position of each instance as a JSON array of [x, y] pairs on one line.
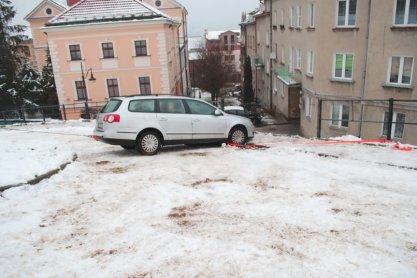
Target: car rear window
[[111, 106], [142, 106]]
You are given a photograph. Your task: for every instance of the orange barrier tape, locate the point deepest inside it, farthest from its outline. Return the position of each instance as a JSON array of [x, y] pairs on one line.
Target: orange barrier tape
[[396, 146]]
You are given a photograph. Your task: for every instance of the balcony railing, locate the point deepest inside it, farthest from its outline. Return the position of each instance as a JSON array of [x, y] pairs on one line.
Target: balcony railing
[[290, 77], [258, 62]]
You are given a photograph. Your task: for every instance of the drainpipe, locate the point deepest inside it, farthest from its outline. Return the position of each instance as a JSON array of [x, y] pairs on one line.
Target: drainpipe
[[366, 69], [270, 48], [180, 50]]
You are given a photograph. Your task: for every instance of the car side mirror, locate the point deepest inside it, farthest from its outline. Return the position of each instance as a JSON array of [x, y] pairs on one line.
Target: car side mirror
[[218, 113]]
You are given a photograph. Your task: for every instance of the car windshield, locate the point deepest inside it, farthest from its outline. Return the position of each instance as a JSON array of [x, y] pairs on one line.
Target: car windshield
[[111, 106]]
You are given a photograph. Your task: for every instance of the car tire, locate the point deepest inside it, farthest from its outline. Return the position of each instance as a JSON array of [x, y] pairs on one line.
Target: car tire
[[149, 143], [238, 135]]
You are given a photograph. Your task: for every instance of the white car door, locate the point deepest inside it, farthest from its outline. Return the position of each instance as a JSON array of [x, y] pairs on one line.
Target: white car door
[[174, 120], [205, 124]]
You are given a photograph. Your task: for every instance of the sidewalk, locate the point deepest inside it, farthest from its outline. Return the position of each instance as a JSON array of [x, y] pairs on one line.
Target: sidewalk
[[279, 125]]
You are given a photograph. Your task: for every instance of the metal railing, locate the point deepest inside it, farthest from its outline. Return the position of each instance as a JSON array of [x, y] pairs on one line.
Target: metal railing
[[390, 121], [44, 113]]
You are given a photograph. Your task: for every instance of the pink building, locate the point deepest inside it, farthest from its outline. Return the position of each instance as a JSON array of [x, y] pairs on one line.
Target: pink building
[[130, 47], [37, 18], [229, 43]]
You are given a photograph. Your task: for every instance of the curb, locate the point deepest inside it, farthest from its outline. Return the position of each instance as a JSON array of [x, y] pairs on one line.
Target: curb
[[40, 178]]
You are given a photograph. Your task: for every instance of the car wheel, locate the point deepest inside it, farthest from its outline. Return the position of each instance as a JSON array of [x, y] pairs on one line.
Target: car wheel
[[238, 135], [148, 143]]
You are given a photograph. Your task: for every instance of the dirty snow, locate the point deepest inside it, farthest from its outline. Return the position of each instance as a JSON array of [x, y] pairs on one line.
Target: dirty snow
[[293, 210]]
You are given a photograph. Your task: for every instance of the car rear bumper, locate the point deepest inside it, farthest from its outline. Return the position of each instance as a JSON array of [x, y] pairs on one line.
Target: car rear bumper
[[111, 141]]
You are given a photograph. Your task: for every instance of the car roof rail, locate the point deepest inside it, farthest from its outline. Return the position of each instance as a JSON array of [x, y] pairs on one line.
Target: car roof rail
[[152, 95]]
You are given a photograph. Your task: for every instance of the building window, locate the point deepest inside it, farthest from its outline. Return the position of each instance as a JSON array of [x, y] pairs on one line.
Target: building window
[[290, 65], [292, 17], [340, 115], [145, 85], [343, 66], [299, 17], [398, 121], [275, 19], [81, 90], [25, 49], [346, 15], [282, 17], [401, 69], [307, 106], [406, 12], [232, 39], [225, 40], [310, 62], [75, 52], [298, 58], [282, 55], [107, 50], [232, 47], [312, 11], [113, 87], [140, 48]]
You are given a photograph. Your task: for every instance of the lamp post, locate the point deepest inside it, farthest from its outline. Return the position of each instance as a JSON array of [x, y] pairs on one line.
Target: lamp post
[[83, 76]]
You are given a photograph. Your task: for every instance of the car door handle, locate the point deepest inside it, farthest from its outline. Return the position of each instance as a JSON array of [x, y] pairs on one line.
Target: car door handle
[[163, 119]]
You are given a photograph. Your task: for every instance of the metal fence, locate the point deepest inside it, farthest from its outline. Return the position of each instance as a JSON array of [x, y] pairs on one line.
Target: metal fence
[[386, 118], [43, 113]]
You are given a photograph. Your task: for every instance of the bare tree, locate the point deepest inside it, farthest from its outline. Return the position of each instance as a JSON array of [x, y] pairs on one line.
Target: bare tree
[[210, 71]]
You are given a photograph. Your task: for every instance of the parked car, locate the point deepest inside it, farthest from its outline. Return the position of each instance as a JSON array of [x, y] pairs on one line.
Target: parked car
[[146, 123], [254, 116]]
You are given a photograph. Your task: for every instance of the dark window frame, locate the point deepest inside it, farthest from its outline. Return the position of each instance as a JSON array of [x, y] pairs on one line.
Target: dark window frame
[[113, 87], [108, 50], [141, 48], [81, 90], [145, 85], [75, 52]]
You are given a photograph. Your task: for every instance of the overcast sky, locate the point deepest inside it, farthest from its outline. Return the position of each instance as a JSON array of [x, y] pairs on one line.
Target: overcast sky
[[214, 15]]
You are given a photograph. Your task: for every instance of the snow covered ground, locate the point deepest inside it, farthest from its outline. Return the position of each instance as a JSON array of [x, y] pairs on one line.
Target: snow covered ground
[[293, 210]]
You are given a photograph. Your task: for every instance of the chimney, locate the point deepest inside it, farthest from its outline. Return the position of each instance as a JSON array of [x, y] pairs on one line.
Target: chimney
[[72, 2]]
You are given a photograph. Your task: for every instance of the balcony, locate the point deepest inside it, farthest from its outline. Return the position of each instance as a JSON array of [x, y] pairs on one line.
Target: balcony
[[289, 77], [259, 63]]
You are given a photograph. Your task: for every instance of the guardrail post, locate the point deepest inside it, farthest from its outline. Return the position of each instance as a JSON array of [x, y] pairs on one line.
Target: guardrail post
[[65, 112], [43, 115], [23, 114], [319, 119], [390, 118]]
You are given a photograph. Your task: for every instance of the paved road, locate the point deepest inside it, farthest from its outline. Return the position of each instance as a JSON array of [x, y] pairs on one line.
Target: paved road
[[279, 125]]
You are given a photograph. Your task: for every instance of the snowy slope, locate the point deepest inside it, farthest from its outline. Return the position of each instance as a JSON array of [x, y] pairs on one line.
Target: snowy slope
[[292, 210]]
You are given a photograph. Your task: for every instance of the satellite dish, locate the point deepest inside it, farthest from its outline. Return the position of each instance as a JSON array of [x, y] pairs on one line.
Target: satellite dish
[[158, 3]]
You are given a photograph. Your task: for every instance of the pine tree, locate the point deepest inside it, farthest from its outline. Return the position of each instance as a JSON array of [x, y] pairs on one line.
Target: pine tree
[[48, 95], [26, 86], [10, 37], [247, 85]]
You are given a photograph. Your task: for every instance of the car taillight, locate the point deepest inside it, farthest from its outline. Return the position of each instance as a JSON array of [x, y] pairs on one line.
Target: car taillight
[[112, 118]]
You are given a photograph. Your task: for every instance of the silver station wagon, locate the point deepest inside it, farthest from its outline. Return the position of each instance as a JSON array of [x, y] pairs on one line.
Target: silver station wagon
[[146, 123]]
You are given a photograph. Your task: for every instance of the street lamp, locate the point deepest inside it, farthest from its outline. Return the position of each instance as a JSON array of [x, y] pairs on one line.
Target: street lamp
[[83, 76]]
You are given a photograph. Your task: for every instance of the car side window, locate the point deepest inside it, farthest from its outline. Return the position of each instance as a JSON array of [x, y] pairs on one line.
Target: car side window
[[142, 106], [240, 112], [200, 108], [171, 106]]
